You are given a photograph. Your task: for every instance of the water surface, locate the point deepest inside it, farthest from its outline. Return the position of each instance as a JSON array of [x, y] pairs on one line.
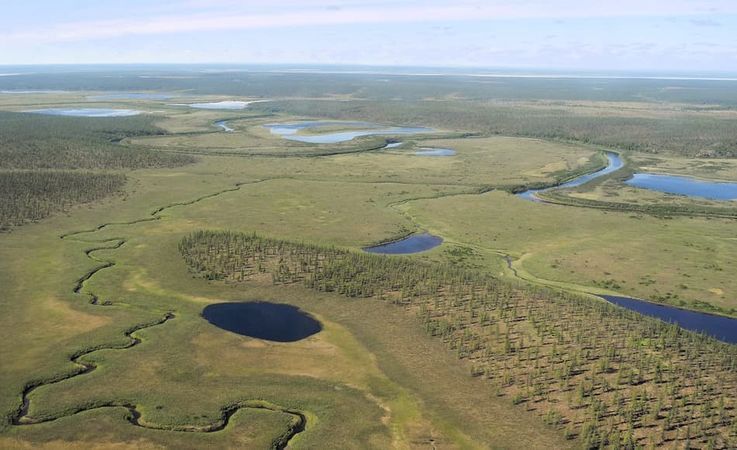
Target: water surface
[[722, 328], [614, 163], [263, 320], [87, 112], [226, 104], [130, 96], [290, 131], [411, 244], [435, 152], [691, 187], [224, 125]]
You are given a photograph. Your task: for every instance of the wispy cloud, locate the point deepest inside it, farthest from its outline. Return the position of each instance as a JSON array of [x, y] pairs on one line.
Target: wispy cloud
[[225, 15]]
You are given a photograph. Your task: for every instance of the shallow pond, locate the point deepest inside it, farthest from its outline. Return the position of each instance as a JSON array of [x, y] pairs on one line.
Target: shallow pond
[[722, 328], [87, 112], [227, 104], [614, 163], [290, 131], [224, 125], [435, 152], [411, 244], [691, 187], [262, 320]]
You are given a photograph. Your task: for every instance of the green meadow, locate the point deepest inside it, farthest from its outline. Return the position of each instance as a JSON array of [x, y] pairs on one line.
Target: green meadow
[[101, 335]]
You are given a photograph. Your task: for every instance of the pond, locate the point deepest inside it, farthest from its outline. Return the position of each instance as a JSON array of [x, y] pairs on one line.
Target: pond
[[691, 187], [87, 112], [226, 104], [722, 328], [411, 244], [435, 152], [614, 163], [291, 131], [276, 322], [224, 125]]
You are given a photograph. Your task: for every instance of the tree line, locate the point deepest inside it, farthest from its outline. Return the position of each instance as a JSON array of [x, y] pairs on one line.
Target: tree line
[[607, 376]]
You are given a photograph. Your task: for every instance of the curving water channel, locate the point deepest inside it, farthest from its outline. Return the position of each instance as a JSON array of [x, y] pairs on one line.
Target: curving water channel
[[718, 327], [291, 131], [614, 163]]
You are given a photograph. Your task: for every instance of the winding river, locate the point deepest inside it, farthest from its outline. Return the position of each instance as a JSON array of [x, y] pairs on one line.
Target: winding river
[[614, 163]]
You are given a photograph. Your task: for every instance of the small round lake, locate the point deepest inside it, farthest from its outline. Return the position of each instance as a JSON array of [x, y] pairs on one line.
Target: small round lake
[[718, 327], [87, 112], [263, 320], [411, 244], [691, 187], [435, 152], [291, 131]]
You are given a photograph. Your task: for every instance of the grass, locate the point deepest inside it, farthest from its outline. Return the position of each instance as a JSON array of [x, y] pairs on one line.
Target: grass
[[373, 378]]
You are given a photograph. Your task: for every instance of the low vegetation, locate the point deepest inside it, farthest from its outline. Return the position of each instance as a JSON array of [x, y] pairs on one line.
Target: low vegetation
[[606, 375]]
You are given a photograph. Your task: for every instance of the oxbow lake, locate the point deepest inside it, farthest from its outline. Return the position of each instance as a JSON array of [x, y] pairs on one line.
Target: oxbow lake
[[719, 327], [692, 187], [415, 243]]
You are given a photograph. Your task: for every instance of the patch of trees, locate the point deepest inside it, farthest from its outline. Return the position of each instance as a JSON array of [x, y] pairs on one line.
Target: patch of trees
[[28, 196], [607, 376], [35, 141]]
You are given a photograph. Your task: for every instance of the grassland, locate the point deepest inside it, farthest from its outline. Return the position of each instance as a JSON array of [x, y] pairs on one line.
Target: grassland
[[374, 377]]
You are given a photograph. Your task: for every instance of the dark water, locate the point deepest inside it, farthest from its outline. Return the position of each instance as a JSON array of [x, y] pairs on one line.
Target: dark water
[[290, 131], [412, 244], [722, 328], [270, 321], [614, 163], [685, 186], [87, 112], [435, 152]]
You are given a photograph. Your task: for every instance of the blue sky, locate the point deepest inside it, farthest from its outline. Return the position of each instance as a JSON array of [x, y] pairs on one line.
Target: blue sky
[[665, 35]]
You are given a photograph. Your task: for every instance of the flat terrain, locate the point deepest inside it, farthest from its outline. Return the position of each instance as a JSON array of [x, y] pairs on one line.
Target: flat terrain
[[373, 378]]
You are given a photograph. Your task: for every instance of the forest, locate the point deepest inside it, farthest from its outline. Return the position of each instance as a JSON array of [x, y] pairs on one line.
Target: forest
[[600, 373]]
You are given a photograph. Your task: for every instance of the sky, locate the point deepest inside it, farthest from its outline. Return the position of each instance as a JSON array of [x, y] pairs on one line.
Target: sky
[[621, 35]]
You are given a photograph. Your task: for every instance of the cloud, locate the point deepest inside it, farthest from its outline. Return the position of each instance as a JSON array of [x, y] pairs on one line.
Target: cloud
[[705, 23], [229, 15]]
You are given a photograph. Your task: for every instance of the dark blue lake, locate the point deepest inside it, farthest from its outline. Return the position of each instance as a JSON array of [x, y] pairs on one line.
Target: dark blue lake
[[722, 328], [411, 244], [263, 320], [614, 163], [691, 187]]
